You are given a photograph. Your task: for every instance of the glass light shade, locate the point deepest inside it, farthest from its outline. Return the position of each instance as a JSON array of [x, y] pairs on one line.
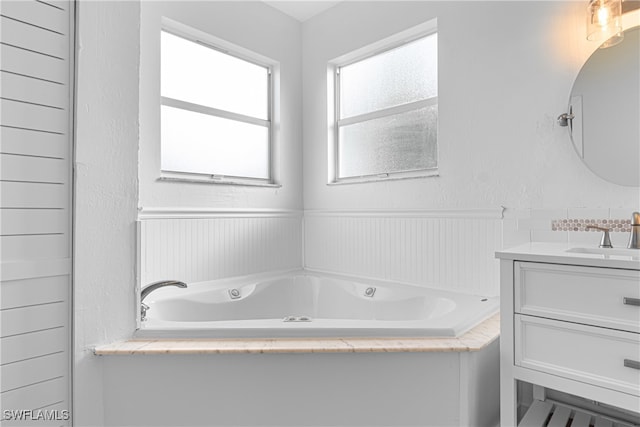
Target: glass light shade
[[604, 21], [612, 41]]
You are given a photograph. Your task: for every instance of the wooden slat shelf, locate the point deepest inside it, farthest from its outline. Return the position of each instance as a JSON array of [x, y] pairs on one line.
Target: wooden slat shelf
[[551, 414]]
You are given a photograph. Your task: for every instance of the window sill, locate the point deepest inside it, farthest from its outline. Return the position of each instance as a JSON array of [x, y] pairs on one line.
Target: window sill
[[194, 179], [385, 177]]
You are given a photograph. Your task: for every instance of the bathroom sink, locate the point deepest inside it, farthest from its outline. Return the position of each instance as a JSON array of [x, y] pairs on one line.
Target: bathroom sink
[[618, 252]]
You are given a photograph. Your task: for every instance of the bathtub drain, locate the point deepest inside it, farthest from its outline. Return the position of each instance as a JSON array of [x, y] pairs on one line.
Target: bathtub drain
[[297, 319]]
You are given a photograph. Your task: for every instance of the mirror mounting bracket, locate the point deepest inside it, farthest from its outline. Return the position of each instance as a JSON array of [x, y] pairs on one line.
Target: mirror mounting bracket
[[565, 118]]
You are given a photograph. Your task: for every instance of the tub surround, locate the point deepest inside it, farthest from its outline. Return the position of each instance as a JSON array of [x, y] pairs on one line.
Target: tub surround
[[474, 340]]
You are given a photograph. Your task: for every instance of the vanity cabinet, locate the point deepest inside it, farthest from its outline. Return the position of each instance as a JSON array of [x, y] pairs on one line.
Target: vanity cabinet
[[571, 324]]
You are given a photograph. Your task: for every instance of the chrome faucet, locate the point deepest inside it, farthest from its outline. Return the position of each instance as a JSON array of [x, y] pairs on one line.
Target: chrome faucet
[[606, 239], [152, 287], [634, 237]]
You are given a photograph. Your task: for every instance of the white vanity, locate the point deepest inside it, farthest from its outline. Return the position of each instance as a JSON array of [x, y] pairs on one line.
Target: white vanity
[[570, 322]]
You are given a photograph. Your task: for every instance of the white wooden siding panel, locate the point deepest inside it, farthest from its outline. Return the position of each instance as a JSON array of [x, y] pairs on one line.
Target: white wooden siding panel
[[33, 38], [199, 249], [32, 325], [15, 86], [21, 141], [20, 248], [34, 221], [34, 318], [30, 116], [34, 344], [450, 253], [41, 290], [59, 4], [33, 195], [37, 13], [36, 396], [59, 407], [31, 371], [33, 169], [28, 63]]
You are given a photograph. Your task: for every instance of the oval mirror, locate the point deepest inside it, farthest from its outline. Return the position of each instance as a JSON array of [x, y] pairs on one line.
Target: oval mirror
[[605, 129]]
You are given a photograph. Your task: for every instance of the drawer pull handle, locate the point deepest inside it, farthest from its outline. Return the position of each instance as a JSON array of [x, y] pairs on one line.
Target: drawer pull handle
[[631, 301], [634, 364]]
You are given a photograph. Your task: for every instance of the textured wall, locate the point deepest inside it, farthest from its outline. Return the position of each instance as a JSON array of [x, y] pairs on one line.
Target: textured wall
[[251, 25], [505, 73], [106, 191]]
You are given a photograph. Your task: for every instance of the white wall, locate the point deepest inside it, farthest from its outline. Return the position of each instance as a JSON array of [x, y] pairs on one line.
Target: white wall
[[105, 192], [505, 73], [251, 25]]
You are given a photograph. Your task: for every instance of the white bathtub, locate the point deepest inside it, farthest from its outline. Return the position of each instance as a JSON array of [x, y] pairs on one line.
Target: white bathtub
[[304, 304]]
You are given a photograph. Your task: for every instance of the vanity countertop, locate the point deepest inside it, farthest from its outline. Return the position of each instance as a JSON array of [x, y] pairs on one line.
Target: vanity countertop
[[556, 253]]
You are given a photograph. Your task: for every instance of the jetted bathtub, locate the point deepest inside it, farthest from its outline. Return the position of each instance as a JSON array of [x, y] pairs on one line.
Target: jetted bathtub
[[305, 304]]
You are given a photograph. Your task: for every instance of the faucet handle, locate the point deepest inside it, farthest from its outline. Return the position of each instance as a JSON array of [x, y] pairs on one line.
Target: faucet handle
[[143, 311], [606, 239], [634, 236]]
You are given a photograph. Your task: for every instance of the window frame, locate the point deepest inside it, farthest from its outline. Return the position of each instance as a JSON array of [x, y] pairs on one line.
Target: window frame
[[272, 67], [410, 35]]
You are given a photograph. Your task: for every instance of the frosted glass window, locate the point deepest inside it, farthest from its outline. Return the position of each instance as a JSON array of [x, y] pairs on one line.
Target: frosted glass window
[[204, 144], [387, 112], [215, 112], [405, 74], [401, 142], [201, 75]]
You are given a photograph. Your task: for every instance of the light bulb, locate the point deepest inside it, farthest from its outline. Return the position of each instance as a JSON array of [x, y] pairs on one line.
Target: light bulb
[[604, 20], [603, 16]]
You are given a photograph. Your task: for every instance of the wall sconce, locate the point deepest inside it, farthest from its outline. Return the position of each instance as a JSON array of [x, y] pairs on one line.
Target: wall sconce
[[604, 22]]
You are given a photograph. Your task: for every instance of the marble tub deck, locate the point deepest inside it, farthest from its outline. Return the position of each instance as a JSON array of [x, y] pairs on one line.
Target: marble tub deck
[[474, 340]]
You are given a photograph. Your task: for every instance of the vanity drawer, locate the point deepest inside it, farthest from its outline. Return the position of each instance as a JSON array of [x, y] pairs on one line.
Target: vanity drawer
[[593, 355], [589, 295]]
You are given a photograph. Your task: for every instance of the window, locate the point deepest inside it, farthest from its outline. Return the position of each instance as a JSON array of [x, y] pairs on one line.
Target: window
[[386, 110], [215, 112]]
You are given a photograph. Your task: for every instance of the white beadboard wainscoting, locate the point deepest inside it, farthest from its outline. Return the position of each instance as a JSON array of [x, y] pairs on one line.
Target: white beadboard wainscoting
[[446, 249], [196, 245]]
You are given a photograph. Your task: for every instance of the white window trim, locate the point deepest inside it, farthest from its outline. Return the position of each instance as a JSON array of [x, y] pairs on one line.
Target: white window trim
[[273, 67], [333, 87]]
